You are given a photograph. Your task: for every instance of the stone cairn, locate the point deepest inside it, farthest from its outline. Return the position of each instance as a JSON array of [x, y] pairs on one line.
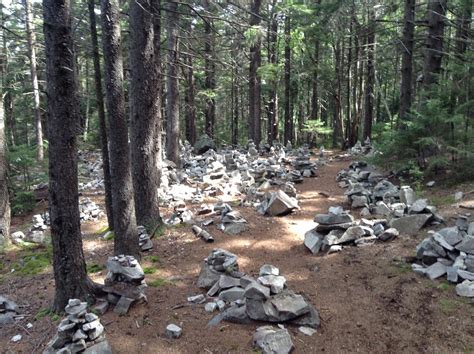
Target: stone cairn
[[79, 332], [450, 252], [8, 311], [376, 196], [89, 210], [243, 299], [124, 283], [144, 240]]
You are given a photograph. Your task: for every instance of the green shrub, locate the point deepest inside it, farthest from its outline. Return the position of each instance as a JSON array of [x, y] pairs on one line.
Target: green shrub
[[23, 203]]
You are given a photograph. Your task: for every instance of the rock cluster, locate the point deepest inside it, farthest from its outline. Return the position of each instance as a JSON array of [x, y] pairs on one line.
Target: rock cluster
[[40, 224], [338, 228], [449, 252], [243, 299], [90, 169], [79, 332], [124, 283], [8, 311], [369, 190], [272, 340], [88, 210], [144, 240], [277, 204]]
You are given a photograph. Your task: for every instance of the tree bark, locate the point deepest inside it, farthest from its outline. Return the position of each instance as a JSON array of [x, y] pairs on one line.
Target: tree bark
[[172, 85], [434, 41], [407, 60], [101, 114], [254, 118], [4, 198], [31, 39], [189, 98], [63, 114], [145, 107], [288, 118], [272, 128], [370, 82], [125, 227], [210, 68]]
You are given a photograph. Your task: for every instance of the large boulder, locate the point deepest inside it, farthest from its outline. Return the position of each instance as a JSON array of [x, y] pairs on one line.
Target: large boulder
[[271, 340], [410, 225]]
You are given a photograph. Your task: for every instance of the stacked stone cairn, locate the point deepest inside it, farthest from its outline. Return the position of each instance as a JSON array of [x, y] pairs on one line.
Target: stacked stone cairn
[[124, 283], [243, 299], [338, 228], [89, 210], [376, 196], [277, 203], [449, 252], [144, 240], [36, 233], [79, 332]]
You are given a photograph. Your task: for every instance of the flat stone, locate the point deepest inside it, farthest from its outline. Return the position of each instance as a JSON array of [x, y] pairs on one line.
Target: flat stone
[[435, 270], [76, 309], [210, 307], [411, 224], [452, 274], [466, 245], [280, 204], [236, 314], [272, 340], [289, 305], [78, 335], [325, 228], [307, 331], [268, 269], [276, 283], [365, 241], [103, 347], [359, 201], [197, 299], [310, 319], [313, 240], [207, 277], [131, 270], [173, 331], [389, 234], [77, 346], [352, 233], [123, 305], [7, 318], [465, 274], [101, 307], [465, 289], [235, 228], [418, 206], [407, 195], [8, 305], [256, 291], [90, 317], [451, 235], [331, 219], [16, 338], [232, 294], [226, 282], [442, 242]]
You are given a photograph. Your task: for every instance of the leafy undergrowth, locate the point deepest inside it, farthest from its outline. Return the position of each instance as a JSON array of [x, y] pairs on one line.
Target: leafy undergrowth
[[34, 261]]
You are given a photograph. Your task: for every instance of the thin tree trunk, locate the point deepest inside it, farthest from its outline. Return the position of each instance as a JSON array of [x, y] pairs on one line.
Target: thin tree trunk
[[189, 98], [4, 198], [125, 227], [172, 91], [88, 100], [272, 128], [145, 109], [369, 87], [63, 114], [31, 38], [101, 114], [210, 68], [288, 117], [254, 118], [407, 60], [434, 41]]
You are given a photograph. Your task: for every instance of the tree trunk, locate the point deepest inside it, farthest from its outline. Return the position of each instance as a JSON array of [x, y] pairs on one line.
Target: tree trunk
[[369, 86], [210, 68], [4, 198], [88, 104], [145, 105], [189, 98], [434, 41], [63, 114], [31, 38], [254, 121], [337, 115], [235, 109], [125, 227], [272, 127], [407, 60], [172, 88], [288, 118], [101, 114]]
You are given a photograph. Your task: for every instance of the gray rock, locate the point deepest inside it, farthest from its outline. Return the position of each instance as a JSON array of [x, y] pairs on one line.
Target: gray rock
[[458, 196], [470, 229], [407, 195], [235, 228], [276, 283], [389, 234], [173, 331], [331, 219], [418, 206], [103, 347], [452, 274], [210, 307], [272, 340], [352, 233], [385, 189], [232, 294], [466, 275], [359, 201], [268, 269], [197, 299], [127, 267], [8, 305], [465, 289], [7, 318], [207, 277], [280, 204], [419, 269], [442, 242], [123, 305], [313, 240], [236, 314], [77, 346], [365, 241], [36, 236], [310, 319], [226, 282], [78, 335], [411, 224], [203, 144], [307, 331], [76, 309], [325, 228], [435, 270], [466, 245], [451, 235], [256, 291], [289, 305], [101, 307]]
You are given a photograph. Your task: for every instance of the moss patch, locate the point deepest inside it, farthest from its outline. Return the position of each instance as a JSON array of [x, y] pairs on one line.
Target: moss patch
[[158, 282], [94, 268]]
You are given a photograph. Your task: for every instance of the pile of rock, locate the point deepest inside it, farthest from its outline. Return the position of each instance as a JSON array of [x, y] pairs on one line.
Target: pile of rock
[[8, 311], [89, 210], [144, 240], [36, 232], [243, 299], [79, 332], [369, 190], [124, 283], [450, 252], [361, 149], [339, 228]]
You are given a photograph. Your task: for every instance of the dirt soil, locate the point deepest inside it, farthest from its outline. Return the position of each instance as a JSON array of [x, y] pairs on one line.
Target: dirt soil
[[369, 299]]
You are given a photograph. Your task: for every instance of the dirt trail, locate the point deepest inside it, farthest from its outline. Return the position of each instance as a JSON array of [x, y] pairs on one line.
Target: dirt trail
[[368, 301]]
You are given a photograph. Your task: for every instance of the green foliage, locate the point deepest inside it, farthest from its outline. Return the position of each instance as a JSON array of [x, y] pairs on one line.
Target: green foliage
[[155, 283], [23, 203], [109, 237], [149, 270], [152, 259], [94, 268], [46, 312], [34, 262]]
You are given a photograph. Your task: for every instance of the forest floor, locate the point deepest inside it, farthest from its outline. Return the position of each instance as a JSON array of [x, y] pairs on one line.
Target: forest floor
[[369, 299]]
